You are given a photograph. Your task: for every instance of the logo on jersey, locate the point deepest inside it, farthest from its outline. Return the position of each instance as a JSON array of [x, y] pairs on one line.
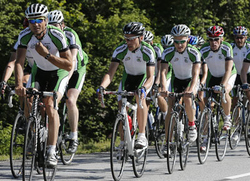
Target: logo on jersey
[[235, 54], [138, 59], [175, 60], [210, 57], [186, 59], [56, 33], [220, 56], [127, 59]]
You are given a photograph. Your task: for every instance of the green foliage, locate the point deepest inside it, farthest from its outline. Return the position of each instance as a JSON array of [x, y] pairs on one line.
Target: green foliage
[[5, 135]]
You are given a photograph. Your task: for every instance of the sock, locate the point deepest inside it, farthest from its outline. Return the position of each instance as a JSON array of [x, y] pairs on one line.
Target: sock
[[191, 123], [141, 135], [52, 149], [164, 114], [73, 135]]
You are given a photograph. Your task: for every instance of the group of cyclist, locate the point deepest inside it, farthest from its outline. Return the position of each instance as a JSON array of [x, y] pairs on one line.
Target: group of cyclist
[[56, 62], [181, 63]]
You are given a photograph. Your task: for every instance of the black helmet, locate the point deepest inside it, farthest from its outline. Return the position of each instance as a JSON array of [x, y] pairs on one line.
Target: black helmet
[[134, 28]]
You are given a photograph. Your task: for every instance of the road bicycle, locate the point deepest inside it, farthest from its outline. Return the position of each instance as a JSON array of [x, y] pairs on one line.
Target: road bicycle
[[123, 139], [239, 118], [36, 137], [210, 128], [177, 134]]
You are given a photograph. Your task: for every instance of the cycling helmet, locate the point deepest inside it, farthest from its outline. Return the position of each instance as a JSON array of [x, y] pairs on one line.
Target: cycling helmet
[[36, 10], [167, 40], [215, 31], [148, 36], [135, 28], [201, 41], [180, 30], [25, 23], [240, 30], [55, 16], [193, 40]]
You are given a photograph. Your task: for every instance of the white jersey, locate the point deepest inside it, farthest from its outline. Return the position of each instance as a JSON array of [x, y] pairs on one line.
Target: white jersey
[[239, 56], [182, 63], [135, 62], [54, 40]]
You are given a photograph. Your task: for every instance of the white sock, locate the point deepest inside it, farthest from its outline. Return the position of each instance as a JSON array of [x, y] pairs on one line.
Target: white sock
[[52, 149], [164, 114], [73, 135], [141, 135]]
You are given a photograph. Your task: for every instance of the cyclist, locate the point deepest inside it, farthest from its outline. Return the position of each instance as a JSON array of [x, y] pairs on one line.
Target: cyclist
[[138, 58], [166, 41], [240, 47], [48, 46], [185, 60], [218, 56], [193, 40], [80, 59], [201, 41]]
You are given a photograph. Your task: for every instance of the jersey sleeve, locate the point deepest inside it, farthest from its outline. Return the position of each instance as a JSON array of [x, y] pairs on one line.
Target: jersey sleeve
[[167, 55]]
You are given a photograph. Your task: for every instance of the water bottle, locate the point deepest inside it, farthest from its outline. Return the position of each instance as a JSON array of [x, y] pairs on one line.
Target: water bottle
[[151, 120]]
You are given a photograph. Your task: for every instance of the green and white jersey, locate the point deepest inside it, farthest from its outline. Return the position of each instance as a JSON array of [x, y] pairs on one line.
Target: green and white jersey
[[54, 40], [135, 62], [74, 42], [182, 63], [158, 50], [216, 60], [239, 55]]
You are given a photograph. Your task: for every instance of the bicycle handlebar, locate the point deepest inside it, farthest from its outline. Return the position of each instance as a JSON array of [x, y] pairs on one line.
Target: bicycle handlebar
[[222, 90]]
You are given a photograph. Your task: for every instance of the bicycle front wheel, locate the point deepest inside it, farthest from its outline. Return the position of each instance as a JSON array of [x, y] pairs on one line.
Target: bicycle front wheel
[[184, 142], [172, 142], [17, 144], [236, 128], [221, 139], [29, 151], [117, 150], [247, 134], [204, 136], [160, 137], [140, 156]]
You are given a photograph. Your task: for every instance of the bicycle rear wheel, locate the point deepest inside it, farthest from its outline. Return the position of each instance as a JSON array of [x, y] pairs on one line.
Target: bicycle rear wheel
[[172, 142], [29, 151], [236, 128], [140, 156], [221, 139], [204, 136], [160, 137], [247, 134], [117, 150], [17, 144], [184, 143]]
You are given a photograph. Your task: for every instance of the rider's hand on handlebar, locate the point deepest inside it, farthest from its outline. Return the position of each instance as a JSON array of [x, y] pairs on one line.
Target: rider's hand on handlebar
[[99, 91], [2, 87], [142, 91], [20, 90], [245, 86]]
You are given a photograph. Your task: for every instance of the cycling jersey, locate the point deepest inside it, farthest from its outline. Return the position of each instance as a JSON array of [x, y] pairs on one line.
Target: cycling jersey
[[216, 60], [158, 50], [182, 63], [54, 40], [239, 54]]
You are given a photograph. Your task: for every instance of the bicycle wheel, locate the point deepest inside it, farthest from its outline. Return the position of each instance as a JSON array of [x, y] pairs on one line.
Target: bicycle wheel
[[172, 142], [247, 135], [140, 156], [204, 136], [221, 139], [29, 151], [236, 128], [160, 137], [64, 140], [17, 144], [183, 143], [49, 173]]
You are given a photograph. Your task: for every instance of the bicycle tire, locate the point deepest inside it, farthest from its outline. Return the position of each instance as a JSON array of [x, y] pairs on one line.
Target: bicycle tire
[[221, 139], [184, 142], [140, 157], [204, 136], [160, 137], [236, 128], [29, 151], [49, 173], [17, 144], [117, 151], [247, 135], [66, 157], [172, 142]]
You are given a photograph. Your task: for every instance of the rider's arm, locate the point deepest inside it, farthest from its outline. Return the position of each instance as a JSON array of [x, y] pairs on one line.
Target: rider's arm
[[108, 77], [204, 73], [244, 70], [150, 77], [10, 67], [158, 75], [164, 71], [228, 69], [20, 60], [195, 75], [74, 52]]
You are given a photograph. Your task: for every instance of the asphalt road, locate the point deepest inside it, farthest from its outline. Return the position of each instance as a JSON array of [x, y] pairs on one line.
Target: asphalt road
[[235, 166]]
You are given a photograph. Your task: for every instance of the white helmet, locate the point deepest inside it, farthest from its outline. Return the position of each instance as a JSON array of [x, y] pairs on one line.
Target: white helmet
[[148, 36], [55, 16], [167, 40], [180, 30], [36, 10]]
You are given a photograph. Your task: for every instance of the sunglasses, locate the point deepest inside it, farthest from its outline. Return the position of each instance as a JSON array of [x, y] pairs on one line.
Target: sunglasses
[[239, 37], [214, 39], [180, 41], [33, 21], [131, 38]]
